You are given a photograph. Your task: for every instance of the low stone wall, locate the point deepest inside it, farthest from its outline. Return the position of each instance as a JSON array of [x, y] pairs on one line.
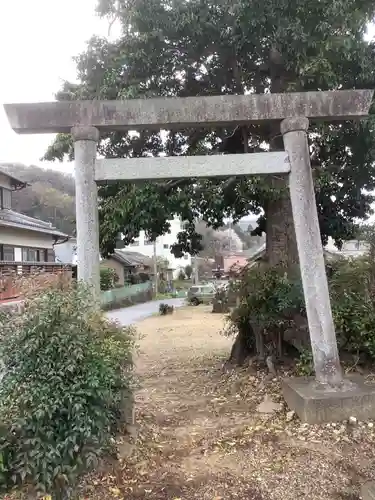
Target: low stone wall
[[15, 286]]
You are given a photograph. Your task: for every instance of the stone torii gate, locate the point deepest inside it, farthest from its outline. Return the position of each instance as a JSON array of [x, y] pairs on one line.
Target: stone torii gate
[[330, 397]]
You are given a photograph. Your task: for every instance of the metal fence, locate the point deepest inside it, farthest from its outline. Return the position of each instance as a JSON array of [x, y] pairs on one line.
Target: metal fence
[[117, 295]]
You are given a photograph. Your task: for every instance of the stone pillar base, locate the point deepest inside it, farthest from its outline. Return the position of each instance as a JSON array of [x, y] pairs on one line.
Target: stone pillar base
[[315, 405], [368, 491]]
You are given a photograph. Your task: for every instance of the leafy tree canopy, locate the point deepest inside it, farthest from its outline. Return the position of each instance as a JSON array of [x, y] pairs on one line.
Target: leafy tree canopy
[[212, 47]]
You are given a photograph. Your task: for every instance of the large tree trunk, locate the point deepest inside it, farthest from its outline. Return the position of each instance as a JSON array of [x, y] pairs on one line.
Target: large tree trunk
[[281, 245], [243, 347], [281, 251]]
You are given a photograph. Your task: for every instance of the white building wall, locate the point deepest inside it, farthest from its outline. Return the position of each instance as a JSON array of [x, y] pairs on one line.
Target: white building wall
[[351, 248], [163, 247], [24, 238], [5, 181], [66, 253]]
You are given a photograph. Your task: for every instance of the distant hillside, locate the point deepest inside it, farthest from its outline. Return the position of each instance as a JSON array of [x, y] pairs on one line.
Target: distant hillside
[[50, 196]]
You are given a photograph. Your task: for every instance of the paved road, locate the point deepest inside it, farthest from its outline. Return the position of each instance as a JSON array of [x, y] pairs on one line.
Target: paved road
[[130, 315]]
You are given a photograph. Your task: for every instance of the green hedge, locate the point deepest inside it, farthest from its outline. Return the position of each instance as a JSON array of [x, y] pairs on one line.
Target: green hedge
[[126, 296], [67, 382], [271, 300]]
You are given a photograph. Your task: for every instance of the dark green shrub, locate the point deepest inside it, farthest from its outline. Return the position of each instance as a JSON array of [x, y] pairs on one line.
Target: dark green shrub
[[305, 365], [162, 287], [108, 278], [67, 377], [272, 301], [144, 277], [134, 279], [188, 271], [268, 303], [139, 298], [353, 306], [220, 301], [269, 297], [181, 275]]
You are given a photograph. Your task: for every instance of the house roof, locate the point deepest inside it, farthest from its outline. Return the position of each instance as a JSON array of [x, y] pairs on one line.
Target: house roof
[[132, 259], [258, 254], [16, 183], [252, 253], [9, 218]]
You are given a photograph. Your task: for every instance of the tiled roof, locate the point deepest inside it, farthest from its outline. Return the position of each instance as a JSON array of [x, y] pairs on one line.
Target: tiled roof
[[132, 259], [252, 253], [15, 219], [15, 181]]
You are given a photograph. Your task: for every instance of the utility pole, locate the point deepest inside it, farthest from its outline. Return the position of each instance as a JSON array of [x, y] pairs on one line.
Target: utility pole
[[195, 270], [155, 271]]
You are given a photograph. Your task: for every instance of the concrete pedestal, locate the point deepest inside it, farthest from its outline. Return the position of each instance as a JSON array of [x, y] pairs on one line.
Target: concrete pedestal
[[314, 404], [368, 491]]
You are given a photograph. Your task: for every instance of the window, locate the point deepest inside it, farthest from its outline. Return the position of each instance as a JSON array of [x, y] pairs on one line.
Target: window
[[186, 257], [148, 242], [165, 246], [5, 198], [38, 255], [50, 257], [7, 253], [29, 255]]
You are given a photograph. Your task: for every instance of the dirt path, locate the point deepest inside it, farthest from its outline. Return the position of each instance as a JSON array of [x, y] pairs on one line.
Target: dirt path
[[201, 437]]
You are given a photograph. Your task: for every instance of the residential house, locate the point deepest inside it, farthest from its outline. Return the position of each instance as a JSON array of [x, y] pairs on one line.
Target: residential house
[[225, 265], [26, 244], [122, 262], [127, 264], [162, 248], [350, 248], [23, 239]]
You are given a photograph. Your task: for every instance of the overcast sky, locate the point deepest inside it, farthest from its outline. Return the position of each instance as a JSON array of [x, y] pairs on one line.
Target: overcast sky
[[38, 39]]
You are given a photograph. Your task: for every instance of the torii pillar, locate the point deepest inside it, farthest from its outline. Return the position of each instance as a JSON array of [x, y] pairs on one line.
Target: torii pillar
[[310, 252], [85, 143]]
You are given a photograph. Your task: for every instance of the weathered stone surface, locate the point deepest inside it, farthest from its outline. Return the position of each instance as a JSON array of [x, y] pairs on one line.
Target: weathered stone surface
[[54, 117], [85, 133], [314, 405], [368, 491], [182, 167], [85, 141], [310, 252], [268, 406]]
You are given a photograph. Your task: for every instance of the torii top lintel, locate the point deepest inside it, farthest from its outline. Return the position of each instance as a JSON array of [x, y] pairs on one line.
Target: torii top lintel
[[178, 113]]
